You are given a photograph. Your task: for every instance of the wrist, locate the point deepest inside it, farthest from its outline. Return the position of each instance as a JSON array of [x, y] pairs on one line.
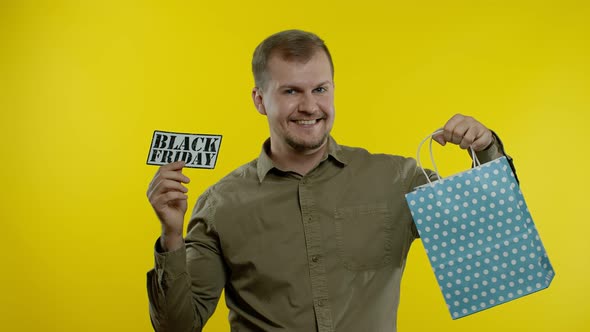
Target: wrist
[[492, 143], [170, 241]]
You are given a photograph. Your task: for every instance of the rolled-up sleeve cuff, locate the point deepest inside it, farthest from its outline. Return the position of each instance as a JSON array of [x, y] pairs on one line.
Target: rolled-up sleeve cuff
[[170, 264], [494, 151]]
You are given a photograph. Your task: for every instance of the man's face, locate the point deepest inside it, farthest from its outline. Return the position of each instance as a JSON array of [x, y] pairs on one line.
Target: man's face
[[298, 101]]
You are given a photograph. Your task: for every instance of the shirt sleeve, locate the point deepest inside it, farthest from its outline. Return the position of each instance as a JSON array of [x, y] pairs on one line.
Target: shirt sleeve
[[185, 285], [495, 151]]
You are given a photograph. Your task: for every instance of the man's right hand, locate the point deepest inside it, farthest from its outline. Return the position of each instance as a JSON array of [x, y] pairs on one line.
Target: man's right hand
[[168, 197]]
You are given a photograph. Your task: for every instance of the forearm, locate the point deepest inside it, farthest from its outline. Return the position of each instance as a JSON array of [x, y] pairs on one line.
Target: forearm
[[170, 297]]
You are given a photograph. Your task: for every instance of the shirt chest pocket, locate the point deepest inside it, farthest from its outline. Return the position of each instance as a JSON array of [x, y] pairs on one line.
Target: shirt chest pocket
[[364, 235]]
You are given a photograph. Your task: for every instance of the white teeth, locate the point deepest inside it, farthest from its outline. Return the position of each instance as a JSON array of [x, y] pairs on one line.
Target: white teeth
[[306, 122]]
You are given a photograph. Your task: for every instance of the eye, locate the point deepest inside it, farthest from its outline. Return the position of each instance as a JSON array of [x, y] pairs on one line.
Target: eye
[[321, 89], [289, 91]]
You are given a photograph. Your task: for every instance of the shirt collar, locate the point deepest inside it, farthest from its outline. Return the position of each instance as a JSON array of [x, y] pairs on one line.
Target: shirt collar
[[265, 164]]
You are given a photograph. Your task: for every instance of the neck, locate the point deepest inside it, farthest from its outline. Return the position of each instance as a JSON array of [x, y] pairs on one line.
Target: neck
[[301, 162]]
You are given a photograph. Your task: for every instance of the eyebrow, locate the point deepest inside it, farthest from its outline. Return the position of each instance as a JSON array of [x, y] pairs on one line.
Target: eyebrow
[[292, 86]]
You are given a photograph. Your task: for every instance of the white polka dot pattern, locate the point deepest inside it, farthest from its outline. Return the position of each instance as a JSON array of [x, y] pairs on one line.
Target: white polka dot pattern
[[480, 238]]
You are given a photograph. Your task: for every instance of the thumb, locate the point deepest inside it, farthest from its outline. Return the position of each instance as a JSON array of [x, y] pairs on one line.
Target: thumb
[[440, 139]]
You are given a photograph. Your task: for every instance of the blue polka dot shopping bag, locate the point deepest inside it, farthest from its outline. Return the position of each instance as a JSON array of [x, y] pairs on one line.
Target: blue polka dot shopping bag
[[479, 237]]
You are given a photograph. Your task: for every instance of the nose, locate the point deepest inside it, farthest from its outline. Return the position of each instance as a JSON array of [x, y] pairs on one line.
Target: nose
[[308, 103]]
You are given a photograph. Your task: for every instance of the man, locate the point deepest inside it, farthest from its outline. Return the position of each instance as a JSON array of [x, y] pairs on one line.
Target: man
[[311, 235]]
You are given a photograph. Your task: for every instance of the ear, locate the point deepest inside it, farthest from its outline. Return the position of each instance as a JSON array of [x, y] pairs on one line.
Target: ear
[[257, 99]]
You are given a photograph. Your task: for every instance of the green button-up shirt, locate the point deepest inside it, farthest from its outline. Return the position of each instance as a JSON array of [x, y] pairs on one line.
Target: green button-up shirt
[[321, 252]]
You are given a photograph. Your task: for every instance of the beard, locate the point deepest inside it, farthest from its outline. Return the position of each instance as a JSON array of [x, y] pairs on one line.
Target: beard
[[301, 145]]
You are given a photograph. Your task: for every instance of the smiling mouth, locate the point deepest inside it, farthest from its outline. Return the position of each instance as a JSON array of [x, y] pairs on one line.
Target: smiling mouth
[[307, 122]]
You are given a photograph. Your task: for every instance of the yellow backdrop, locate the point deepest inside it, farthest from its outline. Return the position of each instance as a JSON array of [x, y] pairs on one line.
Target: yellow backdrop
[[83, 84]]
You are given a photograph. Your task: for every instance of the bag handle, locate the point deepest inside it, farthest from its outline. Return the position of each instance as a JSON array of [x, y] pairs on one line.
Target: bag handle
[[438, 131]]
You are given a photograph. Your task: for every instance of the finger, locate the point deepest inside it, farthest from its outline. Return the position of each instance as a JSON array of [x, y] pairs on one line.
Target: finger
[[440, 139], [174, 196], [169, 197], [175, 166], [167, 175], [458, 132], [450, 127], [174, 175], [468, 138], [477, 136], [483, 141], [165, 186]]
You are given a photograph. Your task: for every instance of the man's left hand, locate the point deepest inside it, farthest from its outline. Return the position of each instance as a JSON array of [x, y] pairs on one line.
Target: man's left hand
[[465, 131]]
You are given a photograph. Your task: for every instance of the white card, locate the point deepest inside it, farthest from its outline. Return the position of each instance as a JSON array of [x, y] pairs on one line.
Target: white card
[[197, 150]]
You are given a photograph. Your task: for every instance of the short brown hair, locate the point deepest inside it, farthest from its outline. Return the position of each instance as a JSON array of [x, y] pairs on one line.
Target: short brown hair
[[294, 45]]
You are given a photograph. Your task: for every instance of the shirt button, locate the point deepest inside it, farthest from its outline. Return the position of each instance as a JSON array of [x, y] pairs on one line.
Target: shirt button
[[320, 303], [314, 259]]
